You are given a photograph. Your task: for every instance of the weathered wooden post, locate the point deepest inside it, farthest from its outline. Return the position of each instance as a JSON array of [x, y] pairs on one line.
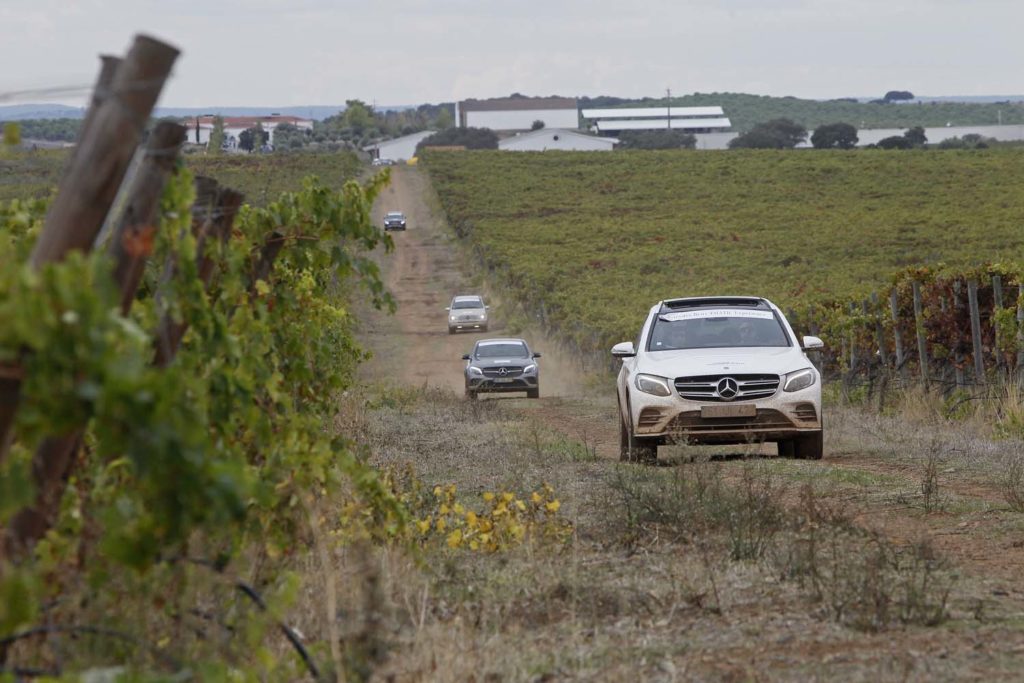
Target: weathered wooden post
[[883, 352], [997, 306], [958, 356], [95, 172], [894, 310], [922, 343], [979, 359], [1020, 330]]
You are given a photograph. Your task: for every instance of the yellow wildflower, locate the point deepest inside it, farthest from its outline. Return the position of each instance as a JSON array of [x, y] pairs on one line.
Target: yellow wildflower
[[536, 498], [471, 519], [443, 509], [455, 538], [521, 505], [459, 510], [553, 506], [507, 497], [424, 525], [488, 496], [437, 491], [441, 525]]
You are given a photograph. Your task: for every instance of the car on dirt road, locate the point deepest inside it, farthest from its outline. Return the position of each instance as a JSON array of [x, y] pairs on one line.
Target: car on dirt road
[[394, 220], [467, 312], [501, 366], [718, 370]]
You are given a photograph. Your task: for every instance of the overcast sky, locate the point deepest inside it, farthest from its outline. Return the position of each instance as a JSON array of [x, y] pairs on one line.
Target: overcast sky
[[296, 52]]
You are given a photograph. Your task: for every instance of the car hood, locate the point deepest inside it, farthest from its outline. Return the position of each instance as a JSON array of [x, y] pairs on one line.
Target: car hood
[[689, 362]]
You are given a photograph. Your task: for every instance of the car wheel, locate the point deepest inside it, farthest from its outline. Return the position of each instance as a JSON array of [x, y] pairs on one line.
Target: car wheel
[[809, 446], [634, 449], [786, 448], [451, 331], [533, 393], [470, 394]]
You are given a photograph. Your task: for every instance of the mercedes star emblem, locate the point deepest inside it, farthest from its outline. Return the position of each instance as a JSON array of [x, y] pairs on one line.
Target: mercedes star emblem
[[503, 372], [728, 388]]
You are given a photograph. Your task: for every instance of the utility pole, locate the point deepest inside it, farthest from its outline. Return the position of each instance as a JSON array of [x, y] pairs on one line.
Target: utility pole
[[668, 102]]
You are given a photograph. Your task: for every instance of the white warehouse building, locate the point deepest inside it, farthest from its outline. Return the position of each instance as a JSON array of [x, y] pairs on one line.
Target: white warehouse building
[[517, 113], [556, 139], [688, 119]]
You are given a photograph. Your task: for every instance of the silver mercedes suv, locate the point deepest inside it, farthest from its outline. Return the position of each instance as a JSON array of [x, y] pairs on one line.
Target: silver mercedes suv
[[467, 312]]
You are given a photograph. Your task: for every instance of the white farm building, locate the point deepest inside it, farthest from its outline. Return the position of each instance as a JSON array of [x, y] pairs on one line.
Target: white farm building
[[556, 139], [518, 113], [202, 126], [688, 119]]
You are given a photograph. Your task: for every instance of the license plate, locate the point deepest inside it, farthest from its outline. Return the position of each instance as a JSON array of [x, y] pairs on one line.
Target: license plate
[[503, 380], [739, 410]]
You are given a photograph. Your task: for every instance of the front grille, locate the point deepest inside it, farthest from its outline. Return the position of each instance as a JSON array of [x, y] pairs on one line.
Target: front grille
[[806, 412], [692, 423], [510, 371], [705, 387], [464, 318]]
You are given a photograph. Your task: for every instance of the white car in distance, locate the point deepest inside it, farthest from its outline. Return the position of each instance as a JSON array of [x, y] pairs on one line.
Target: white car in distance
[[718, 370], [467, 312]]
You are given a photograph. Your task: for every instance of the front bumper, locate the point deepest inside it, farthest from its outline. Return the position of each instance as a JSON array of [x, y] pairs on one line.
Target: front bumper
[[463, 325], [488, 385], [783, 415]]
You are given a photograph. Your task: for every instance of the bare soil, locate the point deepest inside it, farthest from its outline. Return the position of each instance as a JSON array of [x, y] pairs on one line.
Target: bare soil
[[612, 614]]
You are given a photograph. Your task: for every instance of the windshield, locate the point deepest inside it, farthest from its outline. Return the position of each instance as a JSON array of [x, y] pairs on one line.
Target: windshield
[[395, 215], [502, 350], [468, 303], [716, 328]]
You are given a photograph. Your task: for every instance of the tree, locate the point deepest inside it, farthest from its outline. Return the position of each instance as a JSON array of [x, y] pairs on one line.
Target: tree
[[894, 142], [358, 116], [657, 139], [216, 142], [253, 138], [443, 121], [898, 96], [916, 137], [537, 125], [774, 134], [834, 136], [12, 134], [470, 138]]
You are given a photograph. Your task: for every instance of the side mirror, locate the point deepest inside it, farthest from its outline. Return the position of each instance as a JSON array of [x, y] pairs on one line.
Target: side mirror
[[465, 356], [487, 306], [623, 350], [447, 308], [536, 355], [811, 343]]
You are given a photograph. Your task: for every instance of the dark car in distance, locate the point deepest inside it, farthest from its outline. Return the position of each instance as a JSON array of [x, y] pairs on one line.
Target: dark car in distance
[[500, 366], [394, 220]]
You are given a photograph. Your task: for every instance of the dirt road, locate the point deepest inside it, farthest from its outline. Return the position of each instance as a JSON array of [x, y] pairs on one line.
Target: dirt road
[[426, 270]]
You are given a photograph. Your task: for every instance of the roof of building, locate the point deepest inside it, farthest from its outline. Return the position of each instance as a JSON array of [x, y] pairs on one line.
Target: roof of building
[[662, 124], [518, 104], [251, 121], [651, 112]]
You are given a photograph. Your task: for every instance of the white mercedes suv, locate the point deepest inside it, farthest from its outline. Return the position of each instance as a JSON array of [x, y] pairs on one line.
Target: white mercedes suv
[[718, 370]]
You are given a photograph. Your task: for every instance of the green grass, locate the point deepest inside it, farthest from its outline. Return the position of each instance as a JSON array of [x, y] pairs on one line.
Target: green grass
[[595, 239], [261, 178]]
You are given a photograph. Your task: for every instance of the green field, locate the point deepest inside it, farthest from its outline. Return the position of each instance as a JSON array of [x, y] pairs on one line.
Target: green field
[[597, 238], [261, 178]]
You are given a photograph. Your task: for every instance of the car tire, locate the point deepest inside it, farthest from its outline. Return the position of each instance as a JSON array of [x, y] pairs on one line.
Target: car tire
[[470, 395], [809, 446], [533, 393], [786, 448], [634, 449], [451, 331]]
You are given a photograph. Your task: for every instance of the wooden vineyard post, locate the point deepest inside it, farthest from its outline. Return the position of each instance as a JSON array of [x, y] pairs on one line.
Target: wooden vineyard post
[[1020, 330], [997, 306], [922, 344], [95, 172], [853, 342], [958, 356], [897, 335], [883, 353], [132, 241], [979, 359]]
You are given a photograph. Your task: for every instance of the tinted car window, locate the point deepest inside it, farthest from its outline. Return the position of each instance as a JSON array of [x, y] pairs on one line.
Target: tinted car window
[[501, 350], [468, 304], [716, 328]]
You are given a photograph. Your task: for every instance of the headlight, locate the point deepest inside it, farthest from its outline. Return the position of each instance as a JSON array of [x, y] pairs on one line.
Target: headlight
[[483, 317], [529, 368], [652, 384], [475, 371], [801, 379], [452, 318]]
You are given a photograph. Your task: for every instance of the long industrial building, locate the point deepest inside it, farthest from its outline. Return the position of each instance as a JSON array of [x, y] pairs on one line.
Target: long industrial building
[[689, 119], [518, 113]]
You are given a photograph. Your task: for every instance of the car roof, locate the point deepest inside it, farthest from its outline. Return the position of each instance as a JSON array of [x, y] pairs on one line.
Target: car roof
[[467, 297], [752, 302], [394, 213]]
